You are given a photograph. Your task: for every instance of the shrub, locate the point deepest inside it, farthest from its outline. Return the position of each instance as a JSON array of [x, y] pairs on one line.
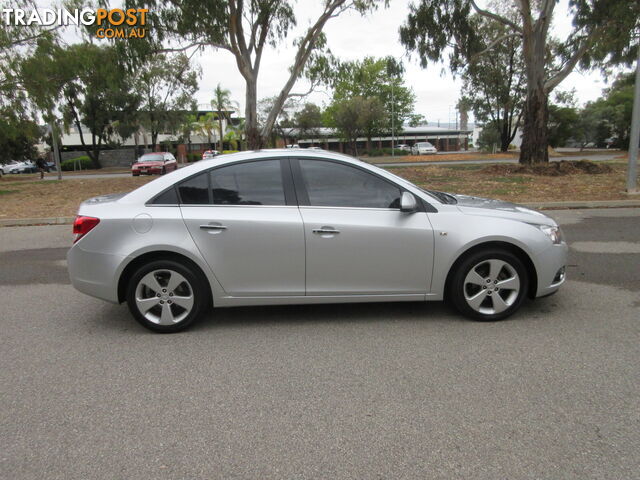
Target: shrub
[[193, 157], [85, 163], [229, 151]]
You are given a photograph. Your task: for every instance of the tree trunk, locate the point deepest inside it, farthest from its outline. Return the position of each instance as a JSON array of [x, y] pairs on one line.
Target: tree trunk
[[505, 138], [534, 148], [254, 140]]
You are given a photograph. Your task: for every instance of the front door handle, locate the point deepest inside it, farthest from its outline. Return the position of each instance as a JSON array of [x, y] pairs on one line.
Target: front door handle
[[213, 227], [326, 231]]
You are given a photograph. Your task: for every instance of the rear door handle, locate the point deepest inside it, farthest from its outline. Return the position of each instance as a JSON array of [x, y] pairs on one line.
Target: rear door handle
[[326, 230]]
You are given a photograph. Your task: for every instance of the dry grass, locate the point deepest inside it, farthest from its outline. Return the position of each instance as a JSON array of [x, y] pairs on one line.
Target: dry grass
[[519, 184], [39, 199]]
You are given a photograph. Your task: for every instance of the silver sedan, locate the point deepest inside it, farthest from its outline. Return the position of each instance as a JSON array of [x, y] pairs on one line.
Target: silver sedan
[[302, 227]]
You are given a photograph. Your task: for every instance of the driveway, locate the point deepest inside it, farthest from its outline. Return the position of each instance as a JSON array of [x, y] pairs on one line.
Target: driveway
[[333, 391]]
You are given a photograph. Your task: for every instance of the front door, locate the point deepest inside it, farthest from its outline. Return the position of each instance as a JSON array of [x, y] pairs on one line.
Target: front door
[[246, 228], [358, 242]]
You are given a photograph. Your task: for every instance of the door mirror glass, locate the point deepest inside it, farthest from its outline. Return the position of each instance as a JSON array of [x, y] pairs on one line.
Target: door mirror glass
[[408, 203]]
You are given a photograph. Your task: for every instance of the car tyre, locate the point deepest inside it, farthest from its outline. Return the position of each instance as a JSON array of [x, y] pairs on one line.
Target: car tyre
[[489, 285], [167, 296], [164, 170]]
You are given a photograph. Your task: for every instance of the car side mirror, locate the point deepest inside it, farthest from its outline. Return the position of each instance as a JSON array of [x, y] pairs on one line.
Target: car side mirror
[[408, 203]]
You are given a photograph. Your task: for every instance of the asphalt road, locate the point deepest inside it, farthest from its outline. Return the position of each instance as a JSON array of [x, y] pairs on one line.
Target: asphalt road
[[382, 391]]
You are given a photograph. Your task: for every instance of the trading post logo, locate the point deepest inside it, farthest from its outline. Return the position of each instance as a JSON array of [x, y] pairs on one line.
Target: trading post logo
[[113, 23]]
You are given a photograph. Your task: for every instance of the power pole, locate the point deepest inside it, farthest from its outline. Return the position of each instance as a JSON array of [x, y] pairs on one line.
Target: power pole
[[632, 169]]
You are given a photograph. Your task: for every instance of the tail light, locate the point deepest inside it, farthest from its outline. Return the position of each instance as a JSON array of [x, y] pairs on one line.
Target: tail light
[[83, 225]]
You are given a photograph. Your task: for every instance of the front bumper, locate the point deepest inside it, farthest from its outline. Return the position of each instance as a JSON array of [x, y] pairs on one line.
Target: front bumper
[[551, 266]]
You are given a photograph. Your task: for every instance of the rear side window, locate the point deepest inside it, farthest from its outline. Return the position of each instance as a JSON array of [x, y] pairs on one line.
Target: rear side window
[[195, 191], [167, 198], [252, 183], [331, 184]]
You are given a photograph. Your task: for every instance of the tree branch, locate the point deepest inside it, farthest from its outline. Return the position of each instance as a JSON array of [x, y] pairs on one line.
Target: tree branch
[[553, 81], [494, 16], [493, 44]]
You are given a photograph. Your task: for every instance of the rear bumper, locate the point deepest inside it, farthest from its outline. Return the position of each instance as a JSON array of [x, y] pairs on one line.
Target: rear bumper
[[94, 273], [551, 269]]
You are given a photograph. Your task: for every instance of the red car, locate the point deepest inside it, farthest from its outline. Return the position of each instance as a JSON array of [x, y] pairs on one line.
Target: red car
[[157, 162]]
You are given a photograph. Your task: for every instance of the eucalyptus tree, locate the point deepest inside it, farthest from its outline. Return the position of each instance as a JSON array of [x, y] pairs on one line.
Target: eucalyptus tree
[[245, 29], [604, 32]]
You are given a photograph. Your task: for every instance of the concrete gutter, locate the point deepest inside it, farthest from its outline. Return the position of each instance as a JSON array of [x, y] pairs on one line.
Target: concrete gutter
[[537, 205]]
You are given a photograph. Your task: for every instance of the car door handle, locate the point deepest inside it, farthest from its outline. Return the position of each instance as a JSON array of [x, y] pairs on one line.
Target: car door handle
[[326, 230], [213, 227]]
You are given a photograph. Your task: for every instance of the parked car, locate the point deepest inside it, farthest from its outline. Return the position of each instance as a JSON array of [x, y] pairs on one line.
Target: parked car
[[154, 163], [50, 167], [404, 147], [423, 148], [295, 145], [209, 154], [272, 227], [23, 167], [6, 168]]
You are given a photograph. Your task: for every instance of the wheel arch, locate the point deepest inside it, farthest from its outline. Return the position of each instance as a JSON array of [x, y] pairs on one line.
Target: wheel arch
[[147, 257], [509, 247]]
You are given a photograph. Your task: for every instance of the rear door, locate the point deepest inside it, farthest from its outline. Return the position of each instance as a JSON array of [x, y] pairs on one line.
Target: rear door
[[245, 222]]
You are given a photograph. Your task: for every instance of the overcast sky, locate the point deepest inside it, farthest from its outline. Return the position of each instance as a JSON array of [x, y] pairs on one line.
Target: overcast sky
[[351, 37]]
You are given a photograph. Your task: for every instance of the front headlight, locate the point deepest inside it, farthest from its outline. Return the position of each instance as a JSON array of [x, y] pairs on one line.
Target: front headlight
[[554, 233]]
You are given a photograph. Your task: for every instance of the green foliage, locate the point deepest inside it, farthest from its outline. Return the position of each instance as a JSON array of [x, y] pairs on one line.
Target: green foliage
[[489, 137], [167, 85], [308, 120], [381, 79], [356, 117], [71, 164], [90, 85], [193, 157], [18, 136]]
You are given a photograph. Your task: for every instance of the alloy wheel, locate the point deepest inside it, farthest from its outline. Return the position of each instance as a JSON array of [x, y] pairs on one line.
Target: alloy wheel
[[164, 297], [491, 286]]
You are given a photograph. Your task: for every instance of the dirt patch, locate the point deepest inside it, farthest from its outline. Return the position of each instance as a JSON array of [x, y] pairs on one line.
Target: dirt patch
[[551, 169]]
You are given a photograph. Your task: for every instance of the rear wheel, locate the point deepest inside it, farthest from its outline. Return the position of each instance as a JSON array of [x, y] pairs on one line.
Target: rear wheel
[[489, 285], [166, 296]]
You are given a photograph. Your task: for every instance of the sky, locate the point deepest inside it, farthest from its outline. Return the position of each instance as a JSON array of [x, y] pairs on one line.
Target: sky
[[352, 36]]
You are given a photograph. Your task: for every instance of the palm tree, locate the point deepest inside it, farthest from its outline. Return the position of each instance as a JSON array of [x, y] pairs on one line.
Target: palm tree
[[222, 104], [205, 126]]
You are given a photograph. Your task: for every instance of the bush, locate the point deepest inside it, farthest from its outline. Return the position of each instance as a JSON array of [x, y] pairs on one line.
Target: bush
[[381, 152], [85, 163], [193, 157], [229, 151]]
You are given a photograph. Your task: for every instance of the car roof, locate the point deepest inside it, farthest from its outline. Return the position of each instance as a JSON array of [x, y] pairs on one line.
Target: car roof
[[148, 190]]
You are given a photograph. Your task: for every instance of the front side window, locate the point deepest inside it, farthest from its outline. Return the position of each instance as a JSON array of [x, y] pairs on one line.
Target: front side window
[[332, 184], [252, 183]]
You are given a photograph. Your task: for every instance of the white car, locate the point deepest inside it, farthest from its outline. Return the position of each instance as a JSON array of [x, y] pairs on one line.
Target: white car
[[423, 148], [6, 168], [404, 147]]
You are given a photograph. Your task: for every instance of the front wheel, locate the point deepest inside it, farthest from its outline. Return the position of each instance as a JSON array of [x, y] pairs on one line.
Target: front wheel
[[166, 296], [489, 285]]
